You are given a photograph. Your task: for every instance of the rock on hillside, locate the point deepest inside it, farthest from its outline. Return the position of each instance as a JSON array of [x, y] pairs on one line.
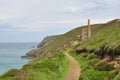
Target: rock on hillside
[[30, 54]]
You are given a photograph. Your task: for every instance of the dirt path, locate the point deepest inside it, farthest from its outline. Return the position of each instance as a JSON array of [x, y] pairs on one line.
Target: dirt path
[[74, 69]]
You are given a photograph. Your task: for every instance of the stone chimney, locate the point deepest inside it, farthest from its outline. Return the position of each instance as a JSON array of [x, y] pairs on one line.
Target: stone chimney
[[89, 29]]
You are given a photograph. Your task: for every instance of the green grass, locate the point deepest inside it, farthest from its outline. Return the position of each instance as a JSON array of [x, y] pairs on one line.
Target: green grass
[[106, 42], [109, 36], [89, 73]]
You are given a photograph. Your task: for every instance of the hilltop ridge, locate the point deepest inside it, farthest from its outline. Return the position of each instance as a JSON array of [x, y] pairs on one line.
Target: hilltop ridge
[[115, 20], [58, 42]]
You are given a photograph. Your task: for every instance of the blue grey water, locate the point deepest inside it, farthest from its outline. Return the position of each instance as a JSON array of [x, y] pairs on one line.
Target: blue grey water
[[10, 55]]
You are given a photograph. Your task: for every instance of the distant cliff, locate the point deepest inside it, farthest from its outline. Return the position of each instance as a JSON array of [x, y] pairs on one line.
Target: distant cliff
[[47, 40]]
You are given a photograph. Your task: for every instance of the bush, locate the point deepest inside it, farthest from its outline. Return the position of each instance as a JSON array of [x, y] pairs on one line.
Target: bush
[[117, 50], [101, 51], [82, 78], [79, 51], [113, 75], [84, 55], [104, 66], [91, 56], [93, 62], [15, 74], [12, 73], [114, 51]]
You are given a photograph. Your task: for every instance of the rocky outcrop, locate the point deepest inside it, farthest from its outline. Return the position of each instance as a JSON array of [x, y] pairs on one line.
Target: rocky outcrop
[[46, 41], [30, 54]]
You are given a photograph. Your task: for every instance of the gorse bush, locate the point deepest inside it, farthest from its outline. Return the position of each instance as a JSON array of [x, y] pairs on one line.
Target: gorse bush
[[93, 62], [113, 75], [91, 56], [104, 66]]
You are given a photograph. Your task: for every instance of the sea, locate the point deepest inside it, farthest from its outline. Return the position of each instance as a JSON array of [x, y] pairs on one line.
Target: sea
[[10, 55]]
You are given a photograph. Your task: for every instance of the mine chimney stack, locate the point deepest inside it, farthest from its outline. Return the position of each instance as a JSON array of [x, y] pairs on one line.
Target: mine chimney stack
[[89, 29]]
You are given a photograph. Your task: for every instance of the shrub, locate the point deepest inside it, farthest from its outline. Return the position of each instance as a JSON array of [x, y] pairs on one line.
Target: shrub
[[113, 75], [116, 50], [79, 51], [12, 73], [91, 56], [84, 55], [104, 66], [93, 62], [101, 51], [82, 78], [15, 74]]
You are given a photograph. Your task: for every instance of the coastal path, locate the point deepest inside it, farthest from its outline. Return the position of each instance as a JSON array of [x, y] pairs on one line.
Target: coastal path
[[74, 69]]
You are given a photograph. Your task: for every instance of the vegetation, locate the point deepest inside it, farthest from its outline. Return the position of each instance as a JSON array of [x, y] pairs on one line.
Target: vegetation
[[53, 67], [59, 42], [89, 71], [105, 41], [99, 55]]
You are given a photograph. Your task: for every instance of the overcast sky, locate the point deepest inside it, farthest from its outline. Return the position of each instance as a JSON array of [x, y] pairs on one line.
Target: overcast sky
[[32, 20]]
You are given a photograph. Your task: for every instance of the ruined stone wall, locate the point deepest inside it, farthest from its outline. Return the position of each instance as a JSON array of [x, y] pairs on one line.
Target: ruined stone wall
[[86, 32]]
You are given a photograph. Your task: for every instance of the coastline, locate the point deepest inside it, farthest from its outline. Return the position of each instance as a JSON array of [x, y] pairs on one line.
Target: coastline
[[11, 55]]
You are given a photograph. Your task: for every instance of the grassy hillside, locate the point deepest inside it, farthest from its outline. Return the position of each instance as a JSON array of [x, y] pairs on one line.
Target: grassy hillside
[[106, 41], [54, 67], [97, 55], [100, 54], [59, 42]]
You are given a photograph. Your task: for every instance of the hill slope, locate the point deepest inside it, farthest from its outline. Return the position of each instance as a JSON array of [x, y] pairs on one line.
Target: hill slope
[[103, 48], [100, 54], [59, 42]]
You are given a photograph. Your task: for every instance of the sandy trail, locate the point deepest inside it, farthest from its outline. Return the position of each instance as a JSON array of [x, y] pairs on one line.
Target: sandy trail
[[74, 69]]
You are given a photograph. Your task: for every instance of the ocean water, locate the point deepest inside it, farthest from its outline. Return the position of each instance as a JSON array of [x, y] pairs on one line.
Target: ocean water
[[10, 55]]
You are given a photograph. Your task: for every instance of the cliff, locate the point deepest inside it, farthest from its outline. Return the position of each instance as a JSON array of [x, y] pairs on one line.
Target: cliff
[[46, 41]]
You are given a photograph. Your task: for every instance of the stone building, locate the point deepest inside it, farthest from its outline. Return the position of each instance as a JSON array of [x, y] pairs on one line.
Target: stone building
[[86, 31]]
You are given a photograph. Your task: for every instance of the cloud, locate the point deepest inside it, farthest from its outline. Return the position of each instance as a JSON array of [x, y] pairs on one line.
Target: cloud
[[42, 15], [110, 2], [46, 25], [81, 7], [73, 8], [36, 19]]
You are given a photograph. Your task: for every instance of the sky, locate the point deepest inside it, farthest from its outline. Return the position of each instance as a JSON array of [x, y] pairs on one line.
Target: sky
[[32, 20]]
